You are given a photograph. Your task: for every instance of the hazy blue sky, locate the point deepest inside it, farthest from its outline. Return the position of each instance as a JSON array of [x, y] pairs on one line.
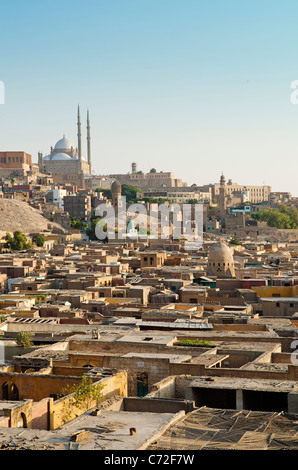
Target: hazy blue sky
[[190, 86]]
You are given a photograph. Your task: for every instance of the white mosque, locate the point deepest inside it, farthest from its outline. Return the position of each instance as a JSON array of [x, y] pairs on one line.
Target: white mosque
[[65, 162]]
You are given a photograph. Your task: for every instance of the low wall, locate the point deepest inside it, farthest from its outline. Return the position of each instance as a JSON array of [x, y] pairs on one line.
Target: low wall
[[152, 405], [4, 421], [164, 389], [62, 412]]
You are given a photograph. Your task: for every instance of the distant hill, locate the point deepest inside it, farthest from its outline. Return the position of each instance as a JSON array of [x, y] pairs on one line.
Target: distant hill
[[18, 215]]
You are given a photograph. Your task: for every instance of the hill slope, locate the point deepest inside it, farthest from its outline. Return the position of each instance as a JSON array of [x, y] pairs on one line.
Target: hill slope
[[18, 215]]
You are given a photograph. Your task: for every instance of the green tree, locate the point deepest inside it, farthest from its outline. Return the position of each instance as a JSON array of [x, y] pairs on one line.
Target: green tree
[[130, 192], [24, 339], [234, 241], [78, 225], [17, 242], [91, 230], [40, 298], [282, 217], [106, 192], [192, 201], [153, 170], [38, 239], [156, 200], [82, 397], [195, 343]]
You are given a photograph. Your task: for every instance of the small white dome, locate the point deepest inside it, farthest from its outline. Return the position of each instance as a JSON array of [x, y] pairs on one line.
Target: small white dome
[[63, 144], [47, 157], [61, 156]]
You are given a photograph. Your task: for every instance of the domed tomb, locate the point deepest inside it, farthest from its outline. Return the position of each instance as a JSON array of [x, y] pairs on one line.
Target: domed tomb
[[221, 261]]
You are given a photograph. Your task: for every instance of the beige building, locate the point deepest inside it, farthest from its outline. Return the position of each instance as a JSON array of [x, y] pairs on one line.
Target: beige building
[[180, 195], [254, 194], [152, 259], [15, 163], [149, 180], [95, 182]]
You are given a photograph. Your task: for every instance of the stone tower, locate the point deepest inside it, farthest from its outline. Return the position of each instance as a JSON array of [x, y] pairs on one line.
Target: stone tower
[[222, 198], [116, 195]]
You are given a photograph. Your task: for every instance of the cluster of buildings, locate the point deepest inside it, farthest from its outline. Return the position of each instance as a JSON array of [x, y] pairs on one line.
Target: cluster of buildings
[[194, 347], [171, 334]]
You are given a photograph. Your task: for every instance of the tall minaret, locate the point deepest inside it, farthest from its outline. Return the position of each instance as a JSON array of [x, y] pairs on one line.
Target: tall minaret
[[79, 135], [88, 142], [222, 197]]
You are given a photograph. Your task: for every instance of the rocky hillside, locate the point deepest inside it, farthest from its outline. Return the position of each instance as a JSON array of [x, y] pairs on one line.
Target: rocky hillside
[[18, 215]]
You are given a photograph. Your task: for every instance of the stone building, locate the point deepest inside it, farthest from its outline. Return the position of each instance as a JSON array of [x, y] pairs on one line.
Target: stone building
[[15, 164], [254, 194], [78, 206], [149, 180]]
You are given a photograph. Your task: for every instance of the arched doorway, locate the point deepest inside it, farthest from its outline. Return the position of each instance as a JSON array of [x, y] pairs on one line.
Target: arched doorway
[[10, 391], [22, 422]]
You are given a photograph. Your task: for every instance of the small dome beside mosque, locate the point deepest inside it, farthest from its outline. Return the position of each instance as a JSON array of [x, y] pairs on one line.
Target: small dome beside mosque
[[61, 156], [63, 144]]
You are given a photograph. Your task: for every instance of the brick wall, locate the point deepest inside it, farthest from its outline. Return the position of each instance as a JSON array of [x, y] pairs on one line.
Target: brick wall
[[40, 415]]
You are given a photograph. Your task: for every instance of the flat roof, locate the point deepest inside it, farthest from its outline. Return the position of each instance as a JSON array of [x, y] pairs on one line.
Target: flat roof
[[177, 325], [279, 299], [172, 357], [108, 431], [237, 383]]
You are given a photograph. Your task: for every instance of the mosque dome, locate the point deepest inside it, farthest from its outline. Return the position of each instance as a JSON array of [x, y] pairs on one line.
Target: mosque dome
[[63, 144], [220, 251], [221, 261], [61, 156]]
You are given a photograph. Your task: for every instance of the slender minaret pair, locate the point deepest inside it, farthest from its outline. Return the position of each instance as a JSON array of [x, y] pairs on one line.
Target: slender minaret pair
[[88, 138]]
